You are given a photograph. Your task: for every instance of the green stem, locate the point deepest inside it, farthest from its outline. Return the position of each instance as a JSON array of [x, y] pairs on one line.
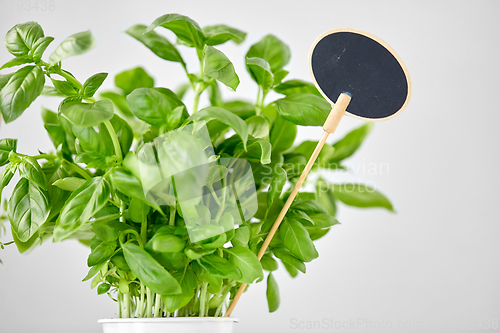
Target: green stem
[[196, 296], [224, 292], [5, 244], [45, 156], [171, 220], [196, 101], [122, 211], [127, 305], [114, 138], [149, 303], [70, 78], [141, 302], [203, 299], [144, 230], [157, 306], [76, 168], [119, 308], [214, 195], [223, 204], [257, 105]]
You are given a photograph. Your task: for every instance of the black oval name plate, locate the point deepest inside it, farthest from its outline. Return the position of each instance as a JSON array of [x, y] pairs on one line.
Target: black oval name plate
[[346, 60]]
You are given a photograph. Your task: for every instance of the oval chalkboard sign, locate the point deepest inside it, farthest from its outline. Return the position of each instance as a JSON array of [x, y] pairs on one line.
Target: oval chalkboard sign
[[347, 60]]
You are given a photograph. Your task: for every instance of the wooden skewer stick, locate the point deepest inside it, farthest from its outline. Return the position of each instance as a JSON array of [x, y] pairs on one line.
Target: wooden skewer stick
[[330, 125]]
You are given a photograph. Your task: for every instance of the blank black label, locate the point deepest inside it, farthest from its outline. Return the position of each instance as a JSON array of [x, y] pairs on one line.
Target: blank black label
[[354, 63]]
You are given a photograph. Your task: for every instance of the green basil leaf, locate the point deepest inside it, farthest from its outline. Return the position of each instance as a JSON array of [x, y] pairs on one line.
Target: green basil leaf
[[306, 148], [4, 79], [120, 102], [268, 263], [119, 261], [219, 34], [130, 186], [322, 221], [242, 109], [217, 66], [271, 49], [22, 37], [226, 117], [217, 243], [257, 149], [260, 71], [16, 62], [187, 30], [64, 87], [308, 206], [272, 294], [101, 253], [28, 209], [173, 112], [56, 196], [127, 184], [216, 265], [300, 216], [149, 105], [195, 254], [92, 84], [86, 114], [297, 240], [258, 126], [103, 288], [317, 233], [39, 47], [325, 197], [359, 195], [109, 231], [133, 79], [349, 144], [187, 280], [241, 236], [21, 90], [69, 183], [29, 169], [304, 109], [149, 271], [247, 262], [279, 75], [94, 148], [156, 43], [288, 258], [276, 187], [92, 272], [29, 244], [282, 135], [82, 205], [6, 146], [292, 87], [167, 243], [51, 91], [6, 176], [75, 44], [124, 133], [214, 286]]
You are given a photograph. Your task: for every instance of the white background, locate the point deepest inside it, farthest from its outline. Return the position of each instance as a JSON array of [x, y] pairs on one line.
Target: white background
[[432, 266]]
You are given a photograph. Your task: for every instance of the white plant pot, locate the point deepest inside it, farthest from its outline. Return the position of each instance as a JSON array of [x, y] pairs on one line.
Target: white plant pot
[[170, 325]]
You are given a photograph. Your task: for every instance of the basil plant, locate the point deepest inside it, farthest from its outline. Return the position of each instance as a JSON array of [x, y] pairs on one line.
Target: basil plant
[[152, 252]]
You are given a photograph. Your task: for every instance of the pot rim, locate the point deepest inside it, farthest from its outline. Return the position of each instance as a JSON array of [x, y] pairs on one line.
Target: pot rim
[[171, 319]]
